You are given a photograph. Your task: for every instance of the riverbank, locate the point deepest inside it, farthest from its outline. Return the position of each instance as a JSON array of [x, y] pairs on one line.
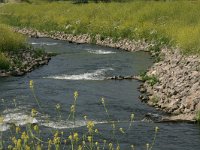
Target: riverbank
[[24, 61], [16, 56], [177, 91], [177, 86]]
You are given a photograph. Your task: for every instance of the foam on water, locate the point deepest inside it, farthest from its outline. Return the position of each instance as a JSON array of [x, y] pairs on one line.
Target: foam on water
[[21, 119], [100, 52], [96, 75], [44, 43], [18, 118], [67, 124]]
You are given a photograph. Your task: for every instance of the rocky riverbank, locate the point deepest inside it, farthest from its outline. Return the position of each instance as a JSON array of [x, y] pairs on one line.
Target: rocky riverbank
[[125, 44], [24, 61], [177, 91]]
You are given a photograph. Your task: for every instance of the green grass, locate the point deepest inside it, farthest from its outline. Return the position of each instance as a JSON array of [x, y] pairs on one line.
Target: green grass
[[171, 22], [10, 41], [4, 62]]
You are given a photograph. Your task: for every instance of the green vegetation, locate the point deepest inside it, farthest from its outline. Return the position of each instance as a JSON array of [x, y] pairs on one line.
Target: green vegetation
[[30, 137], [198, 117], [151, 80], [9, 42], [170, 22], [4, 62]]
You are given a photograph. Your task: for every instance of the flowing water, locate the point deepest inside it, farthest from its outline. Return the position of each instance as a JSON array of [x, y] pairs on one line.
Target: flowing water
[[83, 68]]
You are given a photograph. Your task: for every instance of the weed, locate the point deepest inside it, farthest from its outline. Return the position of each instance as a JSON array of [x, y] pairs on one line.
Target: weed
[[151, 80]]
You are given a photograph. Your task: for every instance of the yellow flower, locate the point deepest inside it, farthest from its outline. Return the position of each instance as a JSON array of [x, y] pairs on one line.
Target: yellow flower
[[19, 144], [56, 134], [36, 128], [10, 147], [118, 147], [132, 117], [14, 140], [38, 147], [33, 112], [73, 108], [85, 117], [89, 138], [156, 129], [17, 129], [110, 145], [102, 101], [113, 125], [96, 143], [49, 144], [58, 106], [70, 137], [27, 147], [24, 137], [79, 147], [76, 137], [147, 145], [121, 130], [96, 131], [90, 126], [31, 84], [56, 140], [75, 95]]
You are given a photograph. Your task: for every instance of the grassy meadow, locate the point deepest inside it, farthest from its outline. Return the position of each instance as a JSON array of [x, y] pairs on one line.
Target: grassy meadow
[[171, 22]]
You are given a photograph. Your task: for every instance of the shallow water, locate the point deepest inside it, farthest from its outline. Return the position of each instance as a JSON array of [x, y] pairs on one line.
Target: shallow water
[[84, 68]]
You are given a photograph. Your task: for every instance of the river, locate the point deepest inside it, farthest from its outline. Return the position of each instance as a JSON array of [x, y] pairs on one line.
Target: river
[[83, 68]]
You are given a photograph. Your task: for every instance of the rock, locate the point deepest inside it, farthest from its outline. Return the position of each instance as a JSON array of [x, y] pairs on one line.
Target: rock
[[144, 98], [142, 90]]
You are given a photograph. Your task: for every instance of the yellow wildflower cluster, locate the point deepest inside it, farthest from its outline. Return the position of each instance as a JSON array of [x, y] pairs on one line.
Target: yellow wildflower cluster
[[31, 84], [90, 126], [74, 137], [33, 112], [73, 109], [75, 95]]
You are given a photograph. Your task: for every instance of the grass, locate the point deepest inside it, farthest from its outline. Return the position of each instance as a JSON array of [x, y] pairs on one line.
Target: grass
[[4, 62], [9, 42], [170, 22], [198, 117]]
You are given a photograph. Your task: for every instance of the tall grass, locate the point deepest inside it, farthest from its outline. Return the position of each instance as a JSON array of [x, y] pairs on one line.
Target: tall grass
[[4, 62], [10, 41], [171, 22]]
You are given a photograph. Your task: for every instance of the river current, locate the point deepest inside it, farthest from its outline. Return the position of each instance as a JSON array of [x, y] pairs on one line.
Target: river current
[[83, 68]]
